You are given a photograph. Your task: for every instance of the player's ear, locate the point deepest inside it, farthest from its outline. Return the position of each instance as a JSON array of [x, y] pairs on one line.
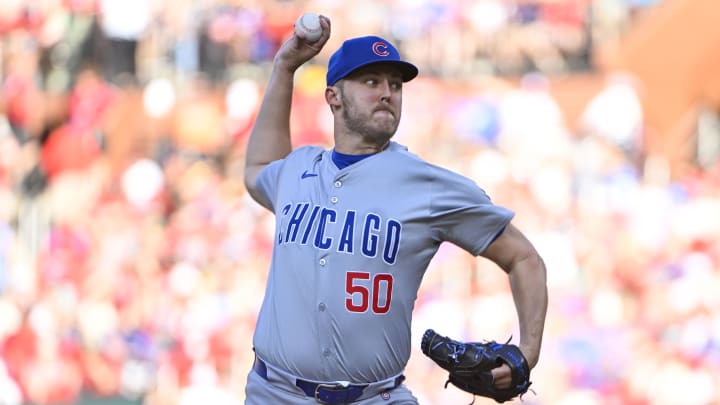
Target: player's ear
[[332, 97]]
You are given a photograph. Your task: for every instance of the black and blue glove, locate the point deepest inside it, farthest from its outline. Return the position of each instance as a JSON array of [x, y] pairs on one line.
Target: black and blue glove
[[469, 365]]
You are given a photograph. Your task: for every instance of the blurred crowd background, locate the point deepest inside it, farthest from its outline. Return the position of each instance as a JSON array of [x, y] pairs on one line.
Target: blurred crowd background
[[132, 261]]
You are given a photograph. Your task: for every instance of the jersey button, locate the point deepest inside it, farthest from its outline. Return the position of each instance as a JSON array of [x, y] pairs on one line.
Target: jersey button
[[326, 352], [334, 200], [322, 262], [338, 184], [322, 307]]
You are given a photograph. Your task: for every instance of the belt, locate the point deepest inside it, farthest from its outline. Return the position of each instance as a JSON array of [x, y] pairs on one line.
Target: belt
[[333, 393]]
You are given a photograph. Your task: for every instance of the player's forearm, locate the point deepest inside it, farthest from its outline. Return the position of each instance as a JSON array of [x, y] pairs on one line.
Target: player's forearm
[[529, 288], [270, 136]]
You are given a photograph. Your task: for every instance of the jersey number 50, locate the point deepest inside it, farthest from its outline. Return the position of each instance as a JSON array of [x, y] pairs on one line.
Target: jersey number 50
[[381, 286]]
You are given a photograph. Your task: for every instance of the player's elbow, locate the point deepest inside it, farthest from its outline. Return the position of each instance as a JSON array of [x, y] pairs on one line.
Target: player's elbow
[[536, 262], [529, 265]]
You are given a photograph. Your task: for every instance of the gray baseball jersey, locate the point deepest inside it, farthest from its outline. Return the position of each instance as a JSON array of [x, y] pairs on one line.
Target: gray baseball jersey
[[351, 248]]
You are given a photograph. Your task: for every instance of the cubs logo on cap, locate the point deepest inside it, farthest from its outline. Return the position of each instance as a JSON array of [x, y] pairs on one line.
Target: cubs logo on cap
[[362, 51], [380, 48]]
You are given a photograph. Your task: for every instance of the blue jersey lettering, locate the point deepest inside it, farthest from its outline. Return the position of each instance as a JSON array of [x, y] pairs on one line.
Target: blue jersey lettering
[[328, 229], [346, 239], [326, 216]]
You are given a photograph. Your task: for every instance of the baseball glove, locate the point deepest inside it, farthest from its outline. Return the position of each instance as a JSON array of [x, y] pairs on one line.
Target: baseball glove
[[469, 365]]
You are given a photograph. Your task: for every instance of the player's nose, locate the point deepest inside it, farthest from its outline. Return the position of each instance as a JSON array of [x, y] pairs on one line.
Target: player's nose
[[385, 89], [385, 83]]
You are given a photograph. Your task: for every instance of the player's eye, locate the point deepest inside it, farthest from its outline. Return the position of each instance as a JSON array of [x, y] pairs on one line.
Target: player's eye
[[395, 85]]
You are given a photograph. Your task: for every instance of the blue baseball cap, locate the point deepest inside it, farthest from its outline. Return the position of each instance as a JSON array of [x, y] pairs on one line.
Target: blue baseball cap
[[362, 51]]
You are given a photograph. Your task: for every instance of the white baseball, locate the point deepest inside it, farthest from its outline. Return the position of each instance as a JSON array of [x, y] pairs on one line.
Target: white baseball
[[308, 25]]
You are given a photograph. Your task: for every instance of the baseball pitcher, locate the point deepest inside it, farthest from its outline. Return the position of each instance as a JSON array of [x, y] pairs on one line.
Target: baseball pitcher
[[356, 227]]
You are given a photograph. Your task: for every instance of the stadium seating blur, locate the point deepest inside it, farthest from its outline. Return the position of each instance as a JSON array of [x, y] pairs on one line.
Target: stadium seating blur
[[132, 261]]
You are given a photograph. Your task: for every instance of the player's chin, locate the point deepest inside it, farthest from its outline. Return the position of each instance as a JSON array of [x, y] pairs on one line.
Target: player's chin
[[386, 125], [386, 134], [379, 137]]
